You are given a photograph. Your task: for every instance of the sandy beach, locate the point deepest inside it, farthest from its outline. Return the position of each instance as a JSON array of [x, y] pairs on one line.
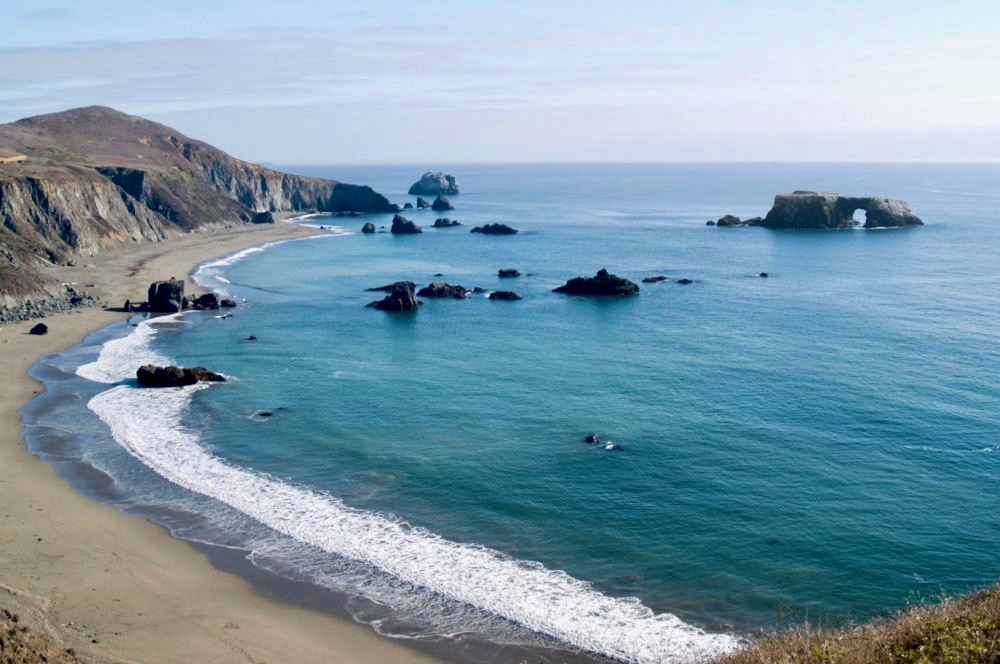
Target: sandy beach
[[115, 587]]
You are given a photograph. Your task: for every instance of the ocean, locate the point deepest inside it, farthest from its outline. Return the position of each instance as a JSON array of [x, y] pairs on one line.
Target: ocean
[[822, 444]]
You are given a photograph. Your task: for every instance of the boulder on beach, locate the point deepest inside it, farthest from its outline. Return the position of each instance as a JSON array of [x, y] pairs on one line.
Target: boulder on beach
[[151, 375], [508, 273], [494, 229], [432, 184], [445, 222], [368, 228], [400, 298], [603, 283], [403, 226], [166, 296], [262, 218], [443, 289], [442, 204], [39, 329], [504, 295]]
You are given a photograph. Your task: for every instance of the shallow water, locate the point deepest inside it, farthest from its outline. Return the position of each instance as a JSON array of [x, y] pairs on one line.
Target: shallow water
[[823, 442]]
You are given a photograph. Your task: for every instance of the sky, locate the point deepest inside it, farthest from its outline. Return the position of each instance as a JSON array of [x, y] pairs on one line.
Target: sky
[[434, 81]]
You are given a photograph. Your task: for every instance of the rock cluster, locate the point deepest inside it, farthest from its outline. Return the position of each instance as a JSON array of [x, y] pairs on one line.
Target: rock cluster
[[443, 289], [603, 283], [494, 229], [431, 184], [151, 375], [445, 222]]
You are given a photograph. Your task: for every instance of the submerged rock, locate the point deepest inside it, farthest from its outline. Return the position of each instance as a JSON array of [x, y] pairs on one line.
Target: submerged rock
[[592, 439], [504, 295], [603, 283], [151, 375], [442, 289], [39, 329], [388, 288], [400, 298], [441, 204], [403, 226], [685, 281], [494, 229], [821, 210], [166, 296], [655, 280], [431, 184], [508, 273]]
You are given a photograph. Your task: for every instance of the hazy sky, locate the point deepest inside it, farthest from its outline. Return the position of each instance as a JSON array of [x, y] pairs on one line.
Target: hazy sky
[[430, 81]]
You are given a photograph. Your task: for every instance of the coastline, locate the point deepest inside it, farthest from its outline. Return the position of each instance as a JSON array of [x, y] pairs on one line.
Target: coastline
[[115, 587]]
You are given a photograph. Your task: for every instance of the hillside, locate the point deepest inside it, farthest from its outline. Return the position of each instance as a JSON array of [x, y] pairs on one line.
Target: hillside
[[88, 179]]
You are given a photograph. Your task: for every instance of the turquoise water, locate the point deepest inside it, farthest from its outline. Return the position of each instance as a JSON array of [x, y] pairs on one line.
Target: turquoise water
[[822, 444]]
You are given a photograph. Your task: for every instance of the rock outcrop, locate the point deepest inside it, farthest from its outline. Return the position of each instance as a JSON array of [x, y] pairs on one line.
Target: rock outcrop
[[166, 296], [262, 218], [508, 273], [603, 283], [432, 184], [442, 204], [504, 295], [95, 179], [403, 226], [400, 298], [819, 210], [208, 301], [368, 228], [422, 204], [388, 288], [151, 375], [443, 289], [445, 222], [495, 229], [39, 329]]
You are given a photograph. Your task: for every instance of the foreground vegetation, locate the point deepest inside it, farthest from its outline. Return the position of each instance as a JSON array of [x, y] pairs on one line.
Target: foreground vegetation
[[20, 645], [957, 631]]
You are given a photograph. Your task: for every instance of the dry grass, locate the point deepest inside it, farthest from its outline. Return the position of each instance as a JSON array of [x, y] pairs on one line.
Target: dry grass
[[957, 631], [20, 645]]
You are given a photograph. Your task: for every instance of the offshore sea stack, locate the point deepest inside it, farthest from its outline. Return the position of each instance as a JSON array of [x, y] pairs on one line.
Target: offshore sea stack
[[821, 210], [433, 184], [403, 226], [603, 283], [400, 298]]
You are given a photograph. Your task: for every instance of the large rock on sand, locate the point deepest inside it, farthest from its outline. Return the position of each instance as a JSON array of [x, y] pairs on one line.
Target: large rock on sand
[[603, 283], [811, 209], [166, 296], [432, 184]]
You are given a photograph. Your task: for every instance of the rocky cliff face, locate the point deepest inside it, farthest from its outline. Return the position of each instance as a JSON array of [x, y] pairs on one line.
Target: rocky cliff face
[[94, 178]]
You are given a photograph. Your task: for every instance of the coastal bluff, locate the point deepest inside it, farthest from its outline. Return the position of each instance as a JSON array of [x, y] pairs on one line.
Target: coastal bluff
[[91, 179], [822, 210]]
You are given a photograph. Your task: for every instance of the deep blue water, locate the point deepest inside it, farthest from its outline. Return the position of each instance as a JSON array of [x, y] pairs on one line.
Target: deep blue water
[[823, 443]]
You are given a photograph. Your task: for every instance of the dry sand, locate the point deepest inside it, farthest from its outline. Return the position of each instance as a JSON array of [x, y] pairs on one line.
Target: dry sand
[[81, 571]]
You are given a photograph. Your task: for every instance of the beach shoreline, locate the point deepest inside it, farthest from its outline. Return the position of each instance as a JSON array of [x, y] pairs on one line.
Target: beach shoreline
[[116, 587]]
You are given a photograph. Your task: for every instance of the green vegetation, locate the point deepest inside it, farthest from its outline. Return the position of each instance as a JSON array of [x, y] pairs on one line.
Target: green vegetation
[[957, 631]]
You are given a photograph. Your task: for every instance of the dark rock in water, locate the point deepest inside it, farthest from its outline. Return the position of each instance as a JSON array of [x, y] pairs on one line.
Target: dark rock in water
[[262, 218], [504, 295], [710, 223], [441, 204], [445, 222], [730, 220], [153, 376], [166, 296], [388, 288], [442, 289], [400, 298], [655, 280], [494, 229], [603, 283], [438, 274], [265, 413], [810, 209], [39, 329], [368, 228], [431, 184], [227, 303], [478, 289], [251, 338], [347, 213], [508, 273], [763, 275], [403, 226], [422, 204], [407, 206], [206, 301], [685, 281], [592, 439]]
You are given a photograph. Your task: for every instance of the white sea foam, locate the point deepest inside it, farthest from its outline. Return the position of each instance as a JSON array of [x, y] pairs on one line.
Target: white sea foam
[[148, 424], [120, 357]]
